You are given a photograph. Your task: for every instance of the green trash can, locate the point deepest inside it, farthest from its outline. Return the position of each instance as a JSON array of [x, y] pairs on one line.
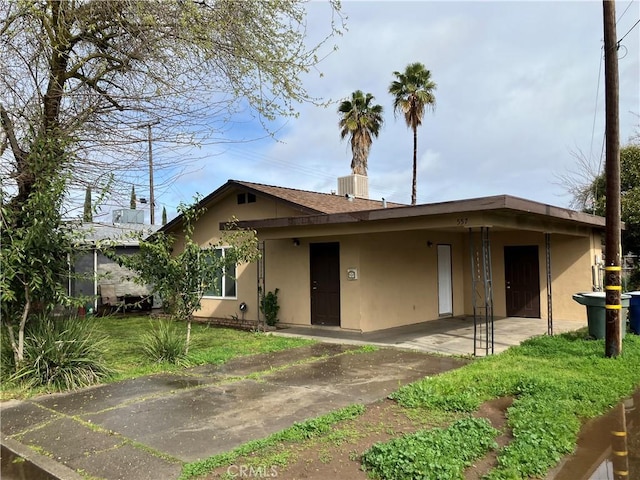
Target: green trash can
[[597, 313]]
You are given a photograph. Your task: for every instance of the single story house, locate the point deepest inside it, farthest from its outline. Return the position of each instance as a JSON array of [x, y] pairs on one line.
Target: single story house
[[342, 260], [105, 285]]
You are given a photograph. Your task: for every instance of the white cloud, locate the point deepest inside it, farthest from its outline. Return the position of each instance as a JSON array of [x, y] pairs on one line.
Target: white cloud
[[519, 89]]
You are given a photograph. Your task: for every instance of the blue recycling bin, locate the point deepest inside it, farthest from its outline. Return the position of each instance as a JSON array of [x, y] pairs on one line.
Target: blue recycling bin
[[634, 312]]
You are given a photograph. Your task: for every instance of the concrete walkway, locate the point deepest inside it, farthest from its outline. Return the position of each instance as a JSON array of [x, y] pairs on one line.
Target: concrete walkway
[[450, 336]]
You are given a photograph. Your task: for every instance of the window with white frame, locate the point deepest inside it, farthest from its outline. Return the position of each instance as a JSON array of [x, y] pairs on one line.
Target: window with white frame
[[224, 286]]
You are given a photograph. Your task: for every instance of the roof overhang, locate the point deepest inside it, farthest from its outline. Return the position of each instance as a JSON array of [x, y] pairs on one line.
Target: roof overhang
[[503, 207]]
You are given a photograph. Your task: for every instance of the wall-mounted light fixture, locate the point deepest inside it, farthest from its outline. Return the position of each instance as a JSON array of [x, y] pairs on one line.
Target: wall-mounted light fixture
[[243, 307], [296, 242], [429, 243]]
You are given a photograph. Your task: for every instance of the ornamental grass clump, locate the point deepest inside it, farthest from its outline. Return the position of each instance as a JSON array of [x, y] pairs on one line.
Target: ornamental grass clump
[[62, 354], [164, 342]]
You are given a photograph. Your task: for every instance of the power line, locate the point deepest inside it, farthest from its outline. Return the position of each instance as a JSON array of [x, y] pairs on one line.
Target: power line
[[634, 26], [625, 11], [595, 109]]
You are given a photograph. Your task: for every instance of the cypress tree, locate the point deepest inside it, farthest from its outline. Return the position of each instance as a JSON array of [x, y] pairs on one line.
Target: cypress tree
[[164, 215], [132, 204], [87, 216]]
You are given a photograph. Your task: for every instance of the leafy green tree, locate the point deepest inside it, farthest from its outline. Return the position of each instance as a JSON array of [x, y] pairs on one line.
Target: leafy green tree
[[180, 278], [413, 92], [87, 215], [35, 244], [360, 120], [594, 196]]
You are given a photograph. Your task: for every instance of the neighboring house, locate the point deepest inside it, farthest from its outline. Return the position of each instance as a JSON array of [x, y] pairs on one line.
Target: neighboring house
[[340, 260], [106, 285]]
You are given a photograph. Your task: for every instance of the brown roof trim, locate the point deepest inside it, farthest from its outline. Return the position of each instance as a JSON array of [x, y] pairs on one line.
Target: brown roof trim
[[493, 203]]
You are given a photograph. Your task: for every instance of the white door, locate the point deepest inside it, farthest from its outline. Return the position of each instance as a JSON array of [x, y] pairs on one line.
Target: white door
[[445, 285]]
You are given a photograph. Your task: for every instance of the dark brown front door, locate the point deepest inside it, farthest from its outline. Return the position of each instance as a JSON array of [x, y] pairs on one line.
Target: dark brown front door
[[325, 283], [522, 281]]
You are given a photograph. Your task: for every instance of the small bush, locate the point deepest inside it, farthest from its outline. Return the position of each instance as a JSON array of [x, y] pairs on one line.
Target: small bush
[[7, 360], [164, 342], [269, 307], [62, 353]]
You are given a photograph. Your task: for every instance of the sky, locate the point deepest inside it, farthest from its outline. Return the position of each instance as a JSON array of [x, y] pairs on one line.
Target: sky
[[520, 92]]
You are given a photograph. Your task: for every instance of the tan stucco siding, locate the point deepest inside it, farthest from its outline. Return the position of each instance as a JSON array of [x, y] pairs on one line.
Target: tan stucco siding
[[572, 258], [207, 232], [287, 269], [396, 284], [399, 278]]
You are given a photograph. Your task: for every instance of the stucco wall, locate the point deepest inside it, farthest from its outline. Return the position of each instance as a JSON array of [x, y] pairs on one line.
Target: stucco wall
[[571, 260], [207, 232], [396, 285]]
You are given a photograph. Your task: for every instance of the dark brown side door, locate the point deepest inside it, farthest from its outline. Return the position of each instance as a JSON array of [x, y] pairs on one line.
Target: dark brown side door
[[325, 283], [522, 281]]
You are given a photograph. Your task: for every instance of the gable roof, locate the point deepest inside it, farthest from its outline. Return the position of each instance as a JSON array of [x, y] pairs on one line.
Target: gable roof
[[307, 202], [317, 202]]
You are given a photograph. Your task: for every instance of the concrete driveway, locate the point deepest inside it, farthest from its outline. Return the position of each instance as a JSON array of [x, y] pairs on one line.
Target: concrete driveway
[[146, 428]]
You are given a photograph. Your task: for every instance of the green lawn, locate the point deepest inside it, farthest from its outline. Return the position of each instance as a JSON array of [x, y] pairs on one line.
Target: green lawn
[[209, 344]]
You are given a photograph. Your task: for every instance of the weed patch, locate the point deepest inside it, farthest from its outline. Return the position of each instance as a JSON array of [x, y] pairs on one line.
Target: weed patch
[[437, 454], [557, 382]]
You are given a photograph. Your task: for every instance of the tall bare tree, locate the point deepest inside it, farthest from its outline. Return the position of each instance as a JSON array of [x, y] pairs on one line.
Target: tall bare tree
[[78, 75], [93, 70]]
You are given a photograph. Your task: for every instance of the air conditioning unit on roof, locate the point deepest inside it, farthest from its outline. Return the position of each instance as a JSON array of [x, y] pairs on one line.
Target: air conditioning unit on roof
[[356, 185], [128, 215]]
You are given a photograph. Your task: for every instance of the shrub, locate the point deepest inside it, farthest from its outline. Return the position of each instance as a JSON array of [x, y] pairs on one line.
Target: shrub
[[62, 353], [164, 342], [7, 360], [269, 307]]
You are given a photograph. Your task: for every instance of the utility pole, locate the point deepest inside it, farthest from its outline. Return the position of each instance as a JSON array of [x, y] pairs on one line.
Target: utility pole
[[152, 200], [613, 284]]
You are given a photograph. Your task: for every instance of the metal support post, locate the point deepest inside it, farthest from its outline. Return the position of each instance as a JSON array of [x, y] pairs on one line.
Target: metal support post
[[482, 286], [547, 242]]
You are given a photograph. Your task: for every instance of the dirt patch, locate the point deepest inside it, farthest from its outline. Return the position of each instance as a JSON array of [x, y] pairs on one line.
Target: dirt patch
[[496, 412], [337, 455]]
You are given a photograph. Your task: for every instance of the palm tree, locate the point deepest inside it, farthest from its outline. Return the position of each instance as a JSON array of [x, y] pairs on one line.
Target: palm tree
[[361, 120], [413, 92]]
